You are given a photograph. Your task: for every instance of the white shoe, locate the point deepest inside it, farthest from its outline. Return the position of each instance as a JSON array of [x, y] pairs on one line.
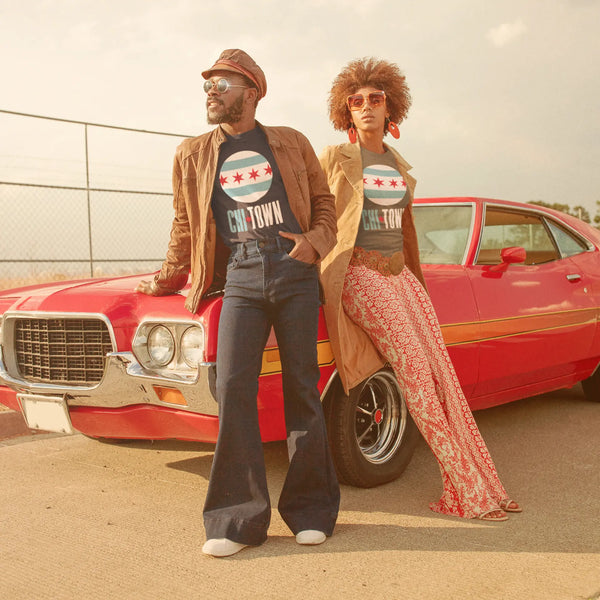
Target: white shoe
[[310, 537], [222, 547]]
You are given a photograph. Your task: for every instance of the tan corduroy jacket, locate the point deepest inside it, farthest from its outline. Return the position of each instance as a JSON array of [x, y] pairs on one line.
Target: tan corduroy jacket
[[194, 244], [355, 356]]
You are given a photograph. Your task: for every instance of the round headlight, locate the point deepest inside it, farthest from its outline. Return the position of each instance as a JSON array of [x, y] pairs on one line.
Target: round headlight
[[161, 346], [192, 346]]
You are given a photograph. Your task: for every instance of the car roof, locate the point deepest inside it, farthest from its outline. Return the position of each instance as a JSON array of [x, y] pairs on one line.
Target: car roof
[[473, 200]]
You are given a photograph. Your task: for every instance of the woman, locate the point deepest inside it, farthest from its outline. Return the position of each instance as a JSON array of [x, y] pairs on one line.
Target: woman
[[377, 310]]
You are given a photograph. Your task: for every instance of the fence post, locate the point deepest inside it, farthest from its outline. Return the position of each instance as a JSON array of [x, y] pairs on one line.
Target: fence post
[[89, 208]]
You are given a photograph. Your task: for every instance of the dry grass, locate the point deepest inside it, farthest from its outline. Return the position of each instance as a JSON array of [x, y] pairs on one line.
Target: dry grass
[[7, 283], [15, 282]]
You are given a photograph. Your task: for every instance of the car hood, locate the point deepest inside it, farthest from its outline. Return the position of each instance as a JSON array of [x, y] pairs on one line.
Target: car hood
[[114, 297]]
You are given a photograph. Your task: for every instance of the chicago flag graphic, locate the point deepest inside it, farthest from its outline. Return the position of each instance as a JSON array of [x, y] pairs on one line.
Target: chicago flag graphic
[[246, 176], [383, 185]]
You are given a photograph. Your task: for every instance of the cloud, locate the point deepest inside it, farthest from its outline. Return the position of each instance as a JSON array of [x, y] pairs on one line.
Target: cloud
[[506, 33]]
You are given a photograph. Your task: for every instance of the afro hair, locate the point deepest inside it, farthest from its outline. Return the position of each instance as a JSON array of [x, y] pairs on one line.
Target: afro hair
[[368, 72]]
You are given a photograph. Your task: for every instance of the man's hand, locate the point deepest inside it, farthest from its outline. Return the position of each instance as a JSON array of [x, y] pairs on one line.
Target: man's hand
[[147, 287], [303, 250]]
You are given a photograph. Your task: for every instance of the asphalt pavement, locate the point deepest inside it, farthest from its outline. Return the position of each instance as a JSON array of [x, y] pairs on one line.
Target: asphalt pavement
[[85, 519]]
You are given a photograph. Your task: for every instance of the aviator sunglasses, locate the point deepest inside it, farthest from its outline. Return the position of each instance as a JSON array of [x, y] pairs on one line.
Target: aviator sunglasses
[[357, 101], [222, 85]]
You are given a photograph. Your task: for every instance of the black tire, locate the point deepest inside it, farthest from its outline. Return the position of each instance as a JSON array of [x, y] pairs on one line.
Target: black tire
[[371, 433], [591, 386]]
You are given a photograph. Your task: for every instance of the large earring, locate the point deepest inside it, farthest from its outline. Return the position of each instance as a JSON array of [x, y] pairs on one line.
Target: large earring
[[352, 134], [393, 129]]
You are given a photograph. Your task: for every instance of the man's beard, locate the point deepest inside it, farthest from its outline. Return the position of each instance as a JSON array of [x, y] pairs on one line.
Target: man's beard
[[232, 115]]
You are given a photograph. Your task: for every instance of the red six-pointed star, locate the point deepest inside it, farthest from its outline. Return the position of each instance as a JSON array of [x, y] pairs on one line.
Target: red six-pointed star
[[238, 177]]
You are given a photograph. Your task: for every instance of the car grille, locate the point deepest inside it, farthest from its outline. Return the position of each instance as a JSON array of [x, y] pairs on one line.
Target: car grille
[[68, 351]]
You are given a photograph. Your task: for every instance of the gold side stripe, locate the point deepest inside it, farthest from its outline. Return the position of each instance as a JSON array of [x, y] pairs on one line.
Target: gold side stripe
[[457, 334], [468, 333], [271, 361], [595, 310]]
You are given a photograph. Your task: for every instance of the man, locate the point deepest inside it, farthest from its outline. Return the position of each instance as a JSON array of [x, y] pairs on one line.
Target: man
[[261, 191]]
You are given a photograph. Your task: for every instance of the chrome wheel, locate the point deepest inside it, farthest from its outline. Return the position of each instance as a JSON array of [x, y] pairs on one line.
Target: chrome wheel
[[371, 433], [381, 417]]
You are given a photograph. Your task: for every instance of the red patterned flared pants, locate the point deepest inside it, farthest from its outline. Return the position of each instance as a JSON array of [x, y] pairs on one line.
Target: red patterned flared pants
[[398, 316]]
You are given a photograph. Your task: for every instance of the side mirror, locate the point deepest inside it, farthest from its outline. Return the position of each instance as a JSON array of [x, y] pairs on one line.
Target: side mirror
[[513, 254], [510, 255]]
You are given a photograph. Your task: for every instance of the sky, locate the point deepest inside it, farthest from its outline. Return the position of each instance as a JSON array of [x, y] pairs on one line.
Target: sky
[[505, 93]]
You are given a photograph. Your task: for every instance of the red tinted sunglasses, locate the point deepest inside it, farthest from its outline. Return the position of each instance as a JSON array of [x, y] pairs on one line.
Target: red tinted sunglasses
[[357, 101]]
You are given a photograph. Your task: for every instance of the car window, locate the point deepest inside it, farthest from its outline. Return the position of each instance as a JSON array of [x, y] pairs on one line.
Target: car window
[[505, 228], [442, 232], [568, 244]]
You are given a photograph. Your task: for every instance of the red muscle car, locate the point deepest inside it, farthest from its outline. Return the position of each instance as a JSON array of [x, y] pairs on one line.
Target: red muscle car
[[517, 292]]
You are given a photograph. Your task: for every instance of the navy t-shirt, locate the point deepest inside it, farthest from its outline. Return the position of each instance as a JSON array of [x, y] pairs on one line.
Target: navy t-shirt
[[249, 200], [384, 202]]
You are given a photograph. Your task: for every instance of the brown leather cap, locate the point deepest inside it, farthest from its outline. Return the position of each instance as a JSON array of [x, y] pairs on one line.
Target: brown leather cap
[[239, 62]]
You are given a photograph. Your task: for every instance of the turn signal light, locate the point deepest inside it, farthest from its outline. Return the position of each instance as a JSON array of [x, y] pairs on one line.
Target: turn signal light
[[169, 395]]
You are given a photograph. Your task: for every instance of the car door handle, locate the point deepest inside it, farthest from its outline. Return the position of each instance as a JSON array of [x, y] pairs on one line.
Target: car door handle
[[574, 277]]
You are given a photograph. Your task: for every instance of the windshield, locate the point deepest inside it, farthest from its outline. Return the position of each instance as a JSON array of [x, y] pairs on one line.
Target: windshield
[[443, 232]]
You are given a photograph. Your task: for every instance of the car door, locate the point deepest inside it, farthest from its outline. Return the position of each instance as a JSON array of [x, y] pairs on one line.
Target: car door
[[444, 231], [537, 318]]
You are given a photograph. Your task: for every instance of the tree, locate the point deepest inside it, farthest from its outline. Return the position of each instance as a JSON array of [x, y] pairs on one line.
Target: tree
[[597, 217], [577, 211]]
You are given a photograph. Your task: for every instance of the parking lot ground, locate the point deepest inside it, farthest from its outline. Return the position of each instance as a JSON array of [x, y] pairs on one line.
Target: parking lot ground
[[13, 425], [85, 519]]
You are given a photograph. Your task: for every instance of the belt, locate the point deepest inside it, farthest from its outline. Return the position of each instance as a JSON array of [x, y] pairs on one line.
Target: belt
[[374, 260], [278, 243]]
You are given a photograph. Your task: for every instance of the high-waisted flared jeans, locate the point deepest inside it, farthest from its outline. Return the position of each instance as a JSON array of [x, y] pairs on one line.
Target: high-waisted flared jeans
[[266, 287]]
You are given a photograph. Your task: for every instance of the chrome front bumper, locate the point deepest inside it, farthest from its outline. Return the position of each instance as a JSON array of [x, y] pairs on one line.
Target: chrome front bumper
[[125, 383]]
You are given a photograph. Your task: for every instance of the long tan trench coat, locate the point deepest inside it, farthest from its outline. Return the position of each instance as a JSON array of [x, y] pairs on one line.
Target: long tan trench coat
[[355, 356]]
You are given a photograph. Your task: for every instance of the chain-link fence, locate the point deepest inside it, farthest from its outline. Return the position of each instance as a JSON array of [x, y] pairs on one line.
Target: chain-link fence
[[81, 199]]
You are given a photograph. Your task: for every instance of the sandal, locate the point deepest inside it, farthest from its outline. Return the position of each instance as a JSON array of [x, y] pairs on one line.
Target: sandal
[[509, 505], [493, 515]]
